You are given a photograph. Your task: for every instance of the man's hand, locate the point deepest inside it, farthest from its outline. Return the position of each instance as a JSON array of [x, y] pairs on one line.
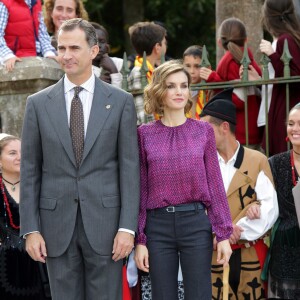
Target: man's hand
[[36, 247], [10, 63], [123, 245], [107, 64], [236, 234], [253, 212], [141, 258], [224, 253]]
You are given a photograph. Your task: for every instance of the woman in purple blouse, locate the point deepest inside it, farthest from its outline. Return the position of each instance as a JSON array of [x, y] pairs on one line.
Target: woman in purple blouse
[[182, 193]]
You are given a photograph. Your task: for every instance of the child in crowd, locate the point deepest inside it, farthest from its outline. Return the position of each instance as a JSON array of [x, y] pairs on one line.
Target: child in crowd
[[149, 38], [192, 57], [22, 32], [131, 57], [232, 37], [108, 67]]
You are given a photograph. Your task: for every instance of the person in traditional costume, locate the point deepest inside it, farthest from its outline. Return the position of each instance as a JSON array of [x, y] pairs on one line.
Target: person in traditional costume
[[21, 278], [252, 201], [284, 265]]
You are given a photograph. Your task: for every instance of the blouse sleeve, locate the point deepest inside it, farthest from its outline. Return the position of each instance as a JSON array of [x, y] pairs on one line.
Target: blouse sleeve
[[218, 211], [214, 77], [295, 53], [141, 236], [267, 197]]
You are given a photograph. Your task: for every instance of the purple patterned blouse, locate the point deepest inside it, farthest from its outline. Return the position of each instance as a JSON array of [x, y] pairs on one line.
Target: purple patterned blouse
[[179, 165]]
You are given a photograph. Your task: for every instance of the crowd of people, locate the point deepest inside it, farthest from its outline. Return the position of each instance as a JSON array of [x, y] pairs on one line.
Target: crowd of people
[[161, 183]]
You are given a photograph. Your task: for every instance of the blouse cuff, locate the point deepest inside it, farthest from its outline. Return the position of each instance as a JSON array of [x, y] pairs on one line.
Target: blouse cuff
[[141, 239]]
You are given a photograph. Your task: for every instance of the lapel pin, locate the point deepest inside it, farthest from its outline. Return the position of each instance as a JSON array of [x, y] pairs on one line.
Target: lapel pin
[[107, 106]]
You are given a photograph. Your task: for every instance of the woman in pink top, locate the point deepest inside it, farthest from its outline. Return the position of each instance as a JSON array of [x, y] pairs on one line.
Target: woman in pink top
[[180, 182]]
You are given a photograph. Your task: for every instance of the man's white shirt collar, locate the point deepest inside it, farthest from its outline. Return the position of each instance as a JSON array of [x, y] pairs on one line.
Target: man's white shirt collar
[[232, 160], [89, 85]]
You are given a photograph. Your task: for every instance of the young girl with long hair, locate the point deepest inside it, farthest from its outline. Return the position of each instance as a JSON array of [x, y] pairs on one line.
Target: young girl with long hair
[[232, 38]]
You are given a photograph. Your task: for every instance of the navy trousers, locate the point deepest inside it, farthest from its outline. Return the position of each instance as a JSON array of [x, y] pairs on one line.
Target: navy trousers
[[184, 235]]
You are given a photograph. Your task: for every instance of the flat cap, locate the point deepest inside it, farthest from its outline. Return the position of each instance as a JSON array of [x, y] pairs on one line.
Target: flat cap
[[221, 107]]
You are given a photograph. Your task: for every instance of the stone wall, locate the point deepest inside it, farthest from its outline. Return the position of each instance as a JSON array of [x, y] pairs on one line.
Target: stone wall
[[30, 75]]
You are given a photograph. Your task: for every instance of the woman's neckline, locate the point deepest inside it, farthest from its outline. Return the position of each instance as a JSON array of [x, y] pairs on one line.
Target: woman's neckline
[[8, 194], [176, 126]]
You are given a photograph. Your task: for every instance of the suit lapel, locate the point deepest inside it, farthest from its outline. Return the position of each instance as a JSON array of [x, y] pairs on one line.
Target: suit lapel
[[100, 110], [56, 108]]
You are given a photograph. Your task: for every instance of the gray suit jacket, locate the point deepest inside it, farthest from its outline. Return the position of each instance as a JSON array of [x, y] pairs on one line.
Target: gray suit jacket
[[107, 183]]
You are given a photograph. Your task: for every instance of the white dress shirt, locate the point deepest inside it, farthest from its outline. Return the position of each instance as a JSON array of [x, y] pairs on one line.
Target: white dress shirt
[[227, 169], [86, 97]]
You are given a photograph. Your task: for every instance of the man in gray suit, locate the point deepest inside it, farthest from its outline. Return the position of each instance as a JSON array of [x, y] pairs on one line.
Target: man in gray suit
[[80, 175]]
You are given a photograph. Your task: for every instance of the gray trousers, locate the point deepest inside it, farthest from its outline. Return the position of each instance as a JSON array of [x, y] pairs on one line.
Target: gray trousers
[[180, 235], [82, 274]]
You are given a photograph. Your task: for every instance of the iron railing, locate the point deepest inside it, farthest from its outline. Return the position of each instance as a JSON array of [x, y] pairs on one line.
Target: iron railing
[[243, 83]]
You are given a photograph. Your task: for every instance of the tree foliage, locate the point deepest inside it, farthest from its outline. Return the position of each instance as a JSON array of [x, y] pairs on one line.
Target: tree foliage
[[188, 22]]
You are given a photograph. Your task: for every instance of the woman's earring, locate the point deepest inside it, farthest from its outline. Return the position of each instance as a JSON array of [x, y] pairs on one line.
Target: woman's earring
[[287, 139]]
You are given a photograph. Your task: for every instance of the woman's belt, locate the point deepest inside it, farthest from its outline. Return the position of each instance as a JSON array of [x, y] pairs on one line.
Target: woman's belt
[[181, 207]]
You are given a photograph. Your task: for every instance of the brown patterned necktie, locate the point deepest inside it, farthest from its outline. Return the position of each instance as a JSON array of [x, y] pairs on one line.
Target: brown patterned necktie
[[77, 125]]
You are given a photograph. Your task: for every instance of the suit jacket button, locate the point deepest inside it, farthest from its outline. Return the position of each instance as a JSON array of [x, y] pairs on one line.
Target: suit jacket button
[[76, 200]]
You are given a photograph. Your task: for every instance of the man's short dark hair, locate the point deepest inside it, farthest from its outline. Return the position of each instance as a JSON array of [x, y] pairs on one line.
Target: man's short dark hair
[[85, 26], [218, 122], [145, 35]]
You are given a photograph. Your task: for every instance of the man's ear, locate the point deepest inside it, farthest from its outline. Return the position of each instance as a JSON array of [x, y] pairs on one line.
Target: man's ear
[[225, 126], [94, 51], [157, 48]]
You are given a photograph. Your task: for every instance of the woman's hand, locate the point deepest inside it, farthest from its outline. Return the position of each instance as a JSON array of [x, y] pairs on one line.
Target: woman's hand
[[266, 47], [224, 253], [141, 258]]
